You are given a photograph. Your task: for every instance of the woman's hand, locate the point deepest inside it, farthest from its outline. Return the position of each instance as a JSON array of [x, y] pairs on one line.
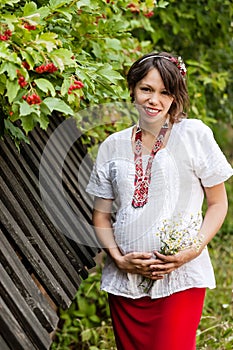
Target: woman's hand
[[137, 263], [146, 265], [165, 264]]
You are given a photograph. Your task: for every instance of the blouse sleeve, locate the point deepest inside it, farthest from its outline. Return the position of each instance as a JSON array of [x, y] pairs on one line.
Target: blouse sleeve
[[100, 184], [212, 166]]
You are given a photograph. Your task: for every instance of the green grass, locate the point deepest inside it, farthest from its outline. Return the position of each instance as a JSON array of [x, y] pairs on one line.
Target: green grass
[[216, 327]]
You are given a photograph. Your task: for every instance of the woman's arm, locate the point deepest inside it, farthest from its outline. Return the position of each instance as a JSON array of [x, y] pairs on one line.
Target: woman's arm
[[217, 206], [102, 222], [135, 262]]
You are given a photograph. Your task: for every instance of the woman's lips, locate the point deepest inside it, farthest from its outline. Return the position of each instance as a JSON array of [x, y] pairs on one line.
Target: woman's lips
[[152, 111]]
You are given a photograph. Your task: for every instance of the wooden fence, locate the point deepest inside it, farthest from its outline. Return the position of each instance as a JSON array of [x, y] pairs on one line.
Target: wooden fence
[[46, 247]]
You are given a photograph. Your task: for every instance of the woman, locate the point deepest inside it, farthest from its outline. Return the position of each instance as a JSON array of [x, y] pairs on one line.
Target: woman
[[157, 173]]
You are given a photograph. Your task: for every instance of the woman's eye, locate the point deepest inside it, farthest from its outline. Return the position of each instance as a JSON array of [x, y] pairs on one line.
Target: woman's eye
[[165, 92], [146, 89]]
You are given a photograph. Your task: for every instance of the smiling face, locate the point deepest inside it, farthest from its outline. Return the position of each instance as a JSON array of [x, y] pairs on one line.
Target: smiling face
[[152, 99]]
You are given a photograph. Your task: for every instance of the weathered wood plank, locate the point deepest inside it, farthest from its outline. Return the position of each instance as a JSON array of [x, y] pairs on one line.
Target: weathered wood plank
[[26, 286], [51, 166], [12, 330], [35, 240], [40, 253], [43, 274], [3, 344], [22, 312], [23, 174], [18, 190]]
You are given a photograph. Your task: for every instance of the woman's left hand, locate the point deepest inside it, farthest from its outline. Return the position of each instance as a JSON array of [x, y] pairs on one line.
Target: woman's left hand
[[168, 263]]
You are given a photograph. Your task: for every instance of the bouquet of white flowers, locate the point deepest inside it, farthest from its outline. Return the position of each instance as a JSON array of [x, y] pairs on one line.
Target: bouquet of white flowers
[[174, 237]]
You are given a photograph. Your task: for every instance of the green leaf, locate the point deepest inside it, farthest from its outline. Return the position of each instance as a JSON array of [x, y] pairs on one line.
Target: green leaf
[[86, 335], [65, 13], [45, 85], [54, 4], [28, 58], [29, 8], [62, 57], [109, 73], [26, 110], [113, 44], [4, 52], [28, 123], [43, 121], [84, 3], [16, 132], [65, 86], [162, 4], [48, 40], [57, 105], [95, 318], [86, 307], [43, 12], [12, 88], [2, 83], [10, 69], [9, 2]]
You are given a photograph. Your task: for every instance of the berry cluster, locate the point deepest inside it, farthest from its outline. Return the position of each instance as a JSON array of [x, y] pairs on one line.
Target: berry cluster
[[149, 14], [76, 85], [133, 8], [46, 68], [25, 65], [21, 81], [33, 99], [29, 26], [6, 35], [136, 9]]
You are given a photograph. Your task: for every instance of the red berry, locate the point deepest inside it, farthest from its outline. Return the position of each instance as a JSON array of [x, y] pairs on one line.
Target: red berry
[[149, 14], [32, 99], [78, 84], [11, 113], [133, 8], [29, 27], [21, 81], [3, 37], [25, 65], [8, 33], [49, 68]]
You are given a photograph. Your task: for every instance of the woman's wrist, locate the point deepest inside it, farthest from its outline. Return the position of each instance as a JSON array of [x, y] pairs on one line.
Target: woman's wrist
[[114, 253]]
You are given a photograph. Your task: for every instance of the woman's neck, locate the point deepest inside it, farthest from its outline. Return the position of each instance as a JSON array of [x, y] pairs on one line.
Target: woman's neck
[[152, 129]]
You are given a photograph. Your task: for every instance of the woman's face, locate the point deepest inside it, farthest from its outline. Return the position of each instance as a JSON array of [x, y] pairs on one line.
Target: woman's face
[[151, 98]]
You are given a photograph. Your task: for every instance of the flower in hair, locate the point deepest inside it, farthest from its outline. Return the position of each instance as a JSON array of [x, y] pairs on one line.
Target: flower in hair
[[179, 64], [177, 61]]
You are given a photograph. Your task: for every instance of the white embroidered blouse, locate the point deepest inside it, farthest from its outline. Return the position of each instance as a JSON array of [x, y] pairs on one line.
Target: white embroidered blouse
[[190, 161]]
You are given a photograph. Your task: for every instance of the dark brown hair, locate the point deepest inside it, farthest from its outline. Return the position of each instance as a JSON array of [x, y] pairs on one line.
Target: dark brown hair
[[173, 80]]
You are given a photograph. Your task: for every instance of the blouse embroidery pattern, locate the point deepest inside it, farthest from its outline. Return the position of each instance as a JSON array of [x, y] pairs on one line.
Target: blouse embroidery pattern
[[141, 181]]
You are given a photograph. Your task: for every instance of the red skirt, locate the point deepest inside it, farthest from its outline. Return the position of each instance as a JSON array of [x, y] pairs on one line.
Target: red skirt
[[168, 323]]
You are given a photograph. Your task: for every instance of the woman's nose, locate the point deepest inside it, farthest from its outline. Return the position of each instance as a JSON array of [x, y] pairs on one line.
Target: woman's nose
[[154, 98]]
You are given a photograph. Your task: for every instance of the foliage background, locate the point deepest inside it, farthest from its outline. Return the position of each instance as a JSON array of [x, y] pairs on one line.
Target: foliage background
[[95, 42]]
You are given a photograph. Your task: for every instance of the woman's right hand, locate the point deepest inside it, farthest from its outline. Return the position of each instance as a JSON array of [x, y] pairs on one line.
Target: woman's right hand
[[136, 263]]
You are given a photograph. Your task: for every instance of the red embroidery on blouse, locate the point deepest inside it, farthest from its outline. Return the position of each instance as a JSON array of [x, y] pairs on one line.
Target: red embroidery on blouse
[[142, 181]]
